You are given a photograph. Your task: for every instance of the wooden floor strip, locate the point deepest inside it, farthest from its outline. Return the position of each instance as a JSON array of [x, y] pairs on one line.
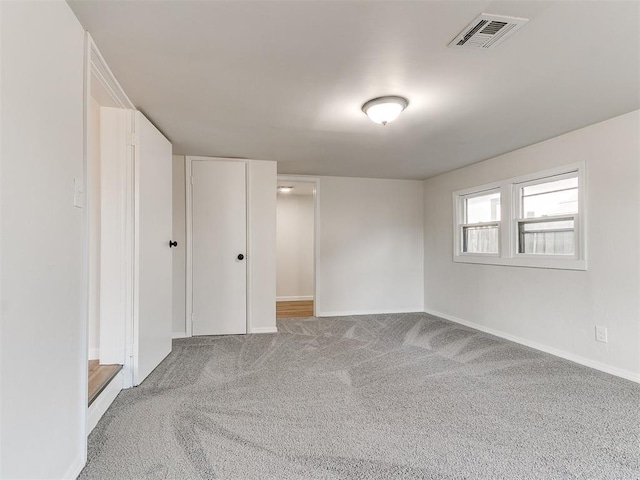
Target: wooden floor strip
[[99, 377], [293, 309]]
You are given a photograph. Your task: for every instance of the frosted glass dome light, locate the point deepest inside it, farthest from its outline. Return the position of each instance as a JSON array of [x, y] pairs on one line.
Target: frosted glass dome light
[[385, 109]]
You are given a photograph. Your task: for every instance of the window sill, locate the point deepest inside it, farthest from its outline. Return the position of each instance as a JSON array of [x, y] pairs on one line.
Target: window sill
[[527, 262]]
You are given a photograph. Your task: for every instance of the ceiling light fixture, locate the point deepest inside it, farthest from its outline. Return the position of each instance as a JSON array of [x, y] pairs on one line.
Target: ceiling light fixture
[[285, 189], [385, 109]]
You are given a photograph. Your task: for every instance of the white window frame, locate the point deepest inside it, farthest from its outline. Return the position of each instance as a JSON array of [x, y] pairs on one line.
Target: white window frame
[[461, 216], [510, 216]]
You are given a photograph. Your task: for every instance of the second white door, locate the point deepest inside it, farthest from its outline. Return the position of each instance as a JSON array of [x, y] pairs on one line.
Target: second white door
[[219, 246]]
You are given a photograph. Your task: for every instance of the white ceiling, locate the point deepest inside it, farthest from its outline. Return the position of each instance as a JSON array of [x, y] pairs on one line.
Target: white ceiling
[[283, 80]]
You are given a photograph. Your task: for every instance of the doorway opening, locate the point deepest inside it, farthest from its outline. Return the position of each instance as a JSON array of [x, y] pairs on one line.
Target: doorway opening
[[105, 351], [108, 252], [296, 247]]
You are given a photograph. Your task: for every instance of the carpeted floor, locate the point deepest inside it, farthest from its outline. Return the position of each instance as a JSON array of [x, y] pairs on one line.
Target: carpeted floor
[[405, 396]]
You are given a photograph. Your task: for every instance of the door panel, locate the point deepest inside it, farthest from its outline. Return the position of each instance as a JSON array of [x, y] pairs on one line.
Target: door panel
[[152, 330], [115, 158], [219, 223]]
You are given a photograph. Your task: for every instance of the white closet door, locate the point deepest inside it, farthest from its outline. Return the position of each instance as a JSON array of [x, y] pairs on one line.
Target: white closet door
[[219, 243], [152, 318]]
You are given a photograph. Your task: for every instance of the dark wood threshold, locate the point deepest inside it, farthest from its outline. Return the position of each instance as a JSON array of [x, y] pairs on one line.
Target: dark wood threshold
[[99, 377]]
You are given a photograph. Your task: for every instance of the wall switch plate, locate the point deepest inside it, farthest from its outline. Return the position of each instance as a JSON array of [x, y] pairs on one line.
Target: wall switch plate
[[601, 334]]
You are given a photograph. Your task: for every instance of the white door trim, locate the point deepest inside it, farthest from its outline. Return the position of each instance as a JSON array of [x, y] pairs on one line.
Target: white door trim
[[189, 236], [316, 227], [96, 67], [100, 405]]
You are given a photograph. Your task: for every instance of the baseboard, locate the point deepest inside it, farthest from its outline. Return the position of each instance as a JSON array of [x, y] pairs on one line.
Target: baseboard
[[179, 335], [76, 467], [603, 367], [293, 299], [94, 354], [104, 400], [347, 313], [264, 330]]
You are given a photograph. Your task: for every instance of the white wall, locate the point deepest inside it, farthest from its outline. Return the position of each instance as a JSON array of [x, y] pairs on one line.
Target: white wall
[[556, 310], [42, 360], [179, 235], [295, 237], [262, 184], [371, 246], [93, 210]]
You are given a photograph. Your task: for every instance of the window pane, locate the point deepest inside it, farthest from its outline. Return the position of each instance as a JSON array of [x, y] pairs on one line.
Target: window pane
[[480, 239], [484, 208], [547, 238], [547, 199]]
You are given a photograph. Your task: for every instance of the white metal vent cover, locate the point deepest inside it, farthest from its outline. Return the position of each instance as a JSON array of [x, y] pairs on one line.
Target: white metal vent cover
[[487, 31]]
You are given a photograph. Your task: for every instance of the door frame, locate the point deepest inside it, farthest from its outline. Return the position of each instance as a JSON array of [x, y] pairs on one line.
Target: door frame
[[96, 69], [188, 160], [315, 181]]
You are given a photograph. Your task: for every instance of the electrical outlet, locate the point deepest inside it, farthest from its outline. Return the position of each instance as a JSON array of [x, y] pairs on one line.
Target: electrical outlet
[[601, 334]]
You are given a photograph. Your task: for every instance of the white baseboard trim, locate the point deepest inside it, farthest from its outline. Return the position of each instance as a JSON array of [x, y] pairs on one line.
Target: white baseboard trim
[[76, 467], [94, 354], [104, 400], [179, 335], [264, 330], [347, 313], [292, 299], [603, 367]]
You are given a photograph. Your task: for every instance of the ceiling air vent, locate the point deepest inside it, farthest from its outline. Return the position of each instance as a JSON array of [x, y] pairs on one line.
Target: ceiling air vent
[[487, 31]]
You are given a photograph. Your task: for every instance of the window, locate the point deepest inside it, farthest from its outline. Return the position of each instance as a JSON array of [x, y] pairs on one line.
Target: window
[[481, 227], [547, 215], [532, 221]]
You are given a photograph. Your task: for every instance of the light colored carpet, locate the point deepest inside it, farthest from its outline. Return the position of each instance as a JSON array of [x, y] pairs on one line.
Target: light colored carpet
[[405, 396]]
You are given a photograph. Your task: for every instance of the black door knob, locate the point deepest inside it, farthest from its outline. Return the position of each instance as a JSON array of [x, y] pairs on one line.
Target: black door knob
[[172, 244], [240, 256]]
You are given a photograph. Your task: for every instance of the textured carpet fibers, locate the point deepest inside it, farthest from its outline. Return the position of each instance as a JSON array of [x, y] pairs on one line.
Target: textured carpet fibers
[[406, 396]]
